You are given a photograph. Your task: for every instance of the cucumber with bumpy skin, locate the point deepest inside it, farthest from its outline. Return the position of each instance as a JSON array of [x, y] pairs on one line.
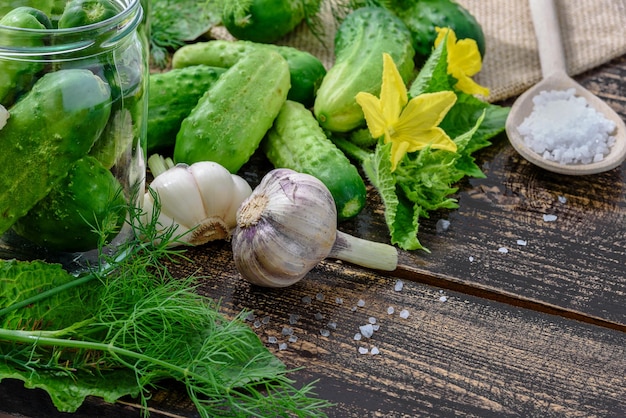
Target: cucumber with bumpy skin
[[306, 70], [49, 128], [422, 17], [88, 202], [361, 39], [172, 95], [18, 75], [231, 118], [262, 20], [296, 141], [78, 13]]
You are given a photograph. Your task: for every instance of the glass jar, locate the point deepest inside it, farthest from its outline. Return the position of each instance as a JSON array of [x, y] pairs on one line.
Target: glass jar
[[74, 142]]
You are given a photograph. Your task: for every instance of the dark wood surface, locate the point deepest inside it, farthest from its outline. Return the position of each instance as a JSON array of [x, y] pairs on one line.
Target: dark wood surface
[[536, 330]]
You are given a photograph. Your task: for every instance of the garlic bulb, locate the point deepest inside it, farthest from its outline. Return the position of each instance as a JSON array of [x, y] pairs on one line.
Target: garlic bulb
[[4, 116], [288, 225], [199, 200]]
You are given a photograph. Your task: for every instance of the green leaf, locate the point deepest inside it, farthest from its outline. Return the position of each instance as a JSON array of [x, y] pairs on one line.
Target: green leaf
[[22, 280], [433, 76], [174, 22], [69, 390]]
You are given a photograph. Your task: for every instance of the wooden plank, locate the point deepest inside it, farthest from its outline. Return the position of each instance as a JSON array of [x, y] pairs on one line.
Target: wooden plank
[[460, 355]]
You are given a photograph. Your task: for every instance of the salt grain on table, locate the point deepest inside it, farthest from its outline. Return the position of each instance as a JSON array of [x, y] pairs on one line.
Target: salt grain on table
[[294, 318], [404, 314], [374, 350], [564, 128], [398, 286], [363, 350], [549, 218], [442, 225], [367, 330], [390, 310]]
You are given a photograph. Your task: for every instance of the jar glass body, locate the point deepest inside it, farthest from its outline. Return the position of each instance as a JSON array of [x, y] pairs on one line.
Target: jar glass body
[[75, 133]]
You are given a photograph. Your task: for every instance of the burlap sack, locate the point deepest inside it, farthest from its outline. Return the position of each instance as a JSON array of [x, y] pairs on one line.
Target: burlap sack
[[593, 31]]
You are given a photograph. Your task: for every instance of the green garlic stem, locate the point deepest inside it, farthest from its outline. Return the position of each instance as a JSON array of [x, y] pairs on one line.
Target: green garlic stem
[[364, 253], [159, 164]]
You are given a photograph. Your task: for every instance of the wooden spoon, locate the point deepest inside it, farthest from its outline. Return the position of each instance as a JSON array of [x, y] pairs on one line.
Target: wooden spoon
[[553, 69]]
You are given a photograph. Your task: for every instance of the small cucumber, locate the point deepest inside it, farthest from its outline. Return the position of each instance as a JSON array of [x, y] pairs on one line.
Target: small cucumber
[[262, 20], [306, 70], [297, 141], [50, 127], [422, 17], [171, 97], [231, 118], [78, 13], [17, 76], [361, 39], [85, 203]]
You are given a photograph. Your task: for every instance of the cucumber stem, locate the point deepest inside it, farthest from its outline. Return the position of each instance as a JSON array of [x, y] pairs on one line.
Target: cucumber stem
[[350, 149], [364, 253]]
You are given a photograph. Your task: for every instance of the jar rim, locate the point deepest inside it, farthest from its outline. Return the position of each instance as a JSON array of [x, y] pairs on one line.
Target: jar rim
[[129, 7]]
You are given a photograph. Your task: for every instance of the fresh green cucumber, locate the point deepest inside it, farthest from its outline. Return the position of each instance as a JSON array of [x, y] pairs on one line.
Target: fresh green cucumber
[[79, 13], [361, 39], [84, 206], [18, 75], [231, 118], [50, 127], [306, 70], [262, 20], [422, 17], [297, 141], [171, 97]]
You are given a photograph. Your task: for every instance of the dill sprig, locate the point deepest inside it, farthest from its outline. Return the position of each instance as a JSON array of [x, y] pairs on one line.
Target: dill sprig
[[143, 326]]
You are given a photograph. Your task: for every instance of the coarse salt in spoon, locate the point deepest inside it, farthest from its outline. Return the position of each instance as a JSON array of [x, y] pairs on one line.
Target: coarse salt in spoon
[[555, 78]]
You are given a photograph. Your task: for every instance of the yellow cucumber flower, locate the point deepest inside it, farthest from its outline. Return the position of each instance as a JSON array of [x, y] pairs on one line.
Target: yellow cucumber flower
[[464, 61], [408, 125]]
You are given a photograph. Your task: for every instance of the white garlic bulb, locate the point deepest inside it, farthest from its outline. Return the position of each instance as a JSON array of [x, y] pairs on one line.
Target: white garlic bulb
[[199, 200], [4, 116], [288, 225]]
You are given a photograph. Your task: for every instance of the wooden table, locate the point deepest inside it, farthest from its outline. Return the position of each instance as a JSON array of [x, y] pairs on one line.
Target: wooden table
[[510, 314]]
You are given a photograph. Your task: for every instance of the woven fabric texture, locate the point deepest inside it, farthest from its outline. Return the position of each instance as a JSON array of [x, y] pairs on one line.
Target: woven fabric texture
[[593, 32]]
